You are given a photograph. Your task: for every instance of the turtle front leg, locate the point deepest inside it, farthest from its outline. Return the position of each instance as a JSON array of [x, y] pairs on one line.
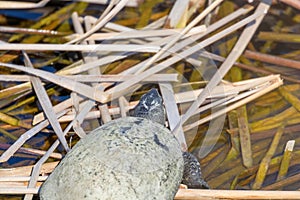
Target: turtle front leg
[[192, 176]]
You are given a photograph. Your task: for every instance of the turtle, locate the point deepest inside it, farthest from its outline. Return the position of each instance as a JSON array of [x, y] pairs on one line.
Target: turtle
[[134, 157], [126, 158]]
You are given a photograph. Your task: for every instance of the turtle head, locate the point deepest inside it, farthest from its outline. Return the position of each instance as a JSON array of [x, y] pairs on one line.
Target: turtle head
[[151, 107]]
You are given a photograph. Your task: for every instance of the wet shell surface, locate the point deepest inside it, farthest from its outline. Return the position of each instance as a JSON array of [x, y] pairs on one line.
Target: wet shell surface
[[127, 158]]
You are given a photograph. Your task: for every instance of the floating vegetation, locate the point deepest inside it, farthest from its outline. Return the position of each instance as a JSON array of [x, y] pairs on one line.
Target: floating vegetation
[[69, 67]]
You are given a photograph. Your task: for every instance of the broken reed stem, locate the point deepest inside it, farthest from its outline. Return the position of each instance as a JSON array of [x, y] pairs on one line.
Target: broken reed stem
[[285, 163], [245, 139], [264, 165]]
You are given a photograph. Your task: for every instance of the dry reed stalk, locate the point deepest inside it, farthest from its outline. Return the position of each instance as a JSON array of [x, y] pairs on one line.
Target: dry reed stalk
[[105, 12], [131, 3], [19, 178], [22, 4], [122, 78], [7, 29], [18, 190], [222, 92], [273, 85], [104, 112], [172, 112], [142, 34], [120, 5], [226, 89], [72, 85], [23, 138], [62, 106], [47, 107], [78, 47], [17, 89], [46, 104], [96, 114], [65, 104], [177, 13], [27, 150], [123, 104], [26, 170], [107, 59], [8, 92], [19, 181], [190, 194], [80, 116], [36, 170], [272, 59], [76, 125], [89, 104]]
